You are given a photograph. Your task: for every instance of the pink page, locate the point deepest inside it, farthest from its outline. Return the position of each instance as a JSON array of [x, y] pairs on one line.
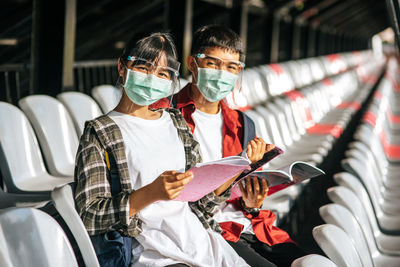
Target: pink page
[[207, 178], [235, 191]]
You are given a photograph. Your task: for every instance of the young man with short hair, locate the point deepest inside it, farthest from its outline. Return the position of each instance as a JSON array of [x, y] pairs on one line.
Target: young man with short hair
[[216, 63]]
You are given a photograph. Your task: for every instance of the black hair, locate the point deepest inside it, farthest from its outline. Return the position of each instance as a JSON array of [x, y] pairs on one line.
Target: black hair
[[216, 36], [151, 48]]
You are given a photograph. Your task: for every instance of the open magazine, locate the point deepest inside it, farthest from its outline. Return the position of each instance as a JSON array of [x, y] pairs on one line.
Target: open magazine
[[209, 176], [282, 178]]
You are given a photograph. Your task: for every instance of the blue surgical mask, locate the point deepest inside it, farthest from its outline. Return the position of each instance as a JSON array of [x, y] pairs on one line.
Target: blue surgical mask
[[215, 84], [145, 89]]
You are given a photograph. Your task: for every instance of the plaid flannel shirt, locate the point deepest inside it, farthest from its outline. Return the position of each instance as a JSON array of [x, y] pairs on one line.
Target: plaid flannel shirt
[[102, 212]]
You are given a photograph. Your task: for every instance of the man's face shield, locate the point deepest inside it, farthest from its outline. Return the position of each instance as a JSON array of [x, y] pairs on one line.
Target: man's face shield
[[213, 62], [216, 78]]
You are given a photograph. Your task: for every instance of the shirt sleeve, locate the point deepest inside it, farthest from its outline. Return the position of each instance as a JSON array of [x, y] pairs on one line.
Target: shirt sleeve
[[100, 212], [207, 206]]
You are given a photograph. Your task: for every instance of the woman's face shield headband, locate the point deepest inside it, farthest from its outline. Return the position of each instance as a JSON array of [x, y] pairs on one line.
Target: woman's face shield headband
[[170, 72]]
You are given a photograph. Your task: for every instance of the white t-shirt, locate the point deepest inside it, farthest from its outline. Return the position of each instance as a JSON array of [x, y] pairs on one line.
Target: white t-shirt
[[208, 132], [171, 231]]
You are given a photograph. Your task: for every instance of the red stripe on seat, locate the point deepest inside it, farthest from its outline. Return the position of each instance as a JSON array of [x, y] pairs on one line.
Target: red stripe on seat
[[244, 108], [392, 118], [331, 129], [327, 82], [333, 57], [391, 151], [378, 95], [370, 118], [353, 105], [277, 68], [299, 98]]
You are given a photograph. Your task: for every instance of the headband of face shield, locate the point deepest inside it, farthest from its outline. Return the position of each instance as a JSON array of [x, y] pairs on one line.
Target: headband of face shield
[[216, 77], [147, 82]]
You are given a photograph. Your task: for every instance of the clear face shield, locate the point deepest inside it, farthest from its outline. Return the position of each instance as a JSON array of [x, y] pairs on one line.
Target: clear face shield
[[148, 81], [218, 78]]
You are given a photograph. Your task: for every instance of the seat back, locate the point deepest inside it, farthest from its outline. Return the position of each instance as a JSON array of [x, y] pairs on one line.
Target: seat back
[[29, 237], [316, 69], [313, 260], [257, 93], [55, 131], [107, 96], [278, 79], [20, 157], [285, 105], [336, 245], [271, 126], [346, 198], [340, 216], [64, 203], [261, 127], [282, 125], [81, 107], [369, 185]]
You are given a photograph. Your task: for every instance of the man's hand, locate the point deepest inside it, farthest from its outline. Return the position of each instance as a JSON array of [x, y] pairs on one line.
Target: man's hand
[[257, 148], [254, 193]]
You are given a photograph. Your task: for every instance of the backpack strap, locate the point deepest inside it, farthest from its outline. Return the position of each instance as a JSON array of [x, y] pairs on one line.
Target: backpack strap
[[100, 124], [115, 181], [249, 131]]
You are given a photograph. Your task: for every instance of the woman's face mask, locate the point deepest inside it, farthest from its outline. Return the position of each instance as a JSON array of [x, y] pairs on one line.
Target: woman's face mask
[[215, 84], [145, 89]]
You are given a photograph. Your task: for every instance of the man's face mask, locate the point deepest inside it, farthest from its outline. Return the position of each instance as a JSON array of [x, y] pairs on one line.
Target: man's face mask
[[216, 78]]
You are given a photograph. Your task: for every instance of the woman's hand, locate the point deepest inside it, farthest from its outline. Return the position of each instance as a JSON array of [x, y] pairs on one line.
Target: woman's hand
[[254, 193], [257, 148], [169, 184]]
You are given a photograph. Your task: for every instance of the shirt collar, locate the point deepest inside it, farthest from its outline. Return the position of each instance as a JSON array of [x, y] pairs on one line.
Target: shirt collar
[[185, 99]]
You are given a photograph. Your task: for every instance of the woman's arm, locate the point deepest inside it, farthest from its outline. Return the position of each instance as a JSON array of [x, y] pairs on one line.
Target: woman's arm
[[96, 206], [98, 209]]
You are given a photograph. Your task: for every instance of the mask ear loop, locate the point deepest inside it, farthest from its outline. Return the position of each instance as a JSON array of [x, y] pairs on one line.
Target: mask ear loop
[[119, 84], [120, 81], [202, 99]]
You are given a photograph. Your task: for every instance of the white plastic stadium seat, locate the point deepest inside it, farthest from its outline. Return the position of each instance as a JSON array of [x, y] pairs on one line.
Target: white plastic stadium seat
[[363, 212], [21, 162], [340, 216], [107, 96], [64, 203], [313, 260], [337, 245], [29, 237], [55, 131], [81, 107], [8, 200]]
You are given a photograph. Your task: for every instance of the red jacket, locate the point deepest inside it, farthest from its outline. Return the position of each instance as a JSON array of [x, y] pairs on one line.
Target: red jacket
[[232, 130]]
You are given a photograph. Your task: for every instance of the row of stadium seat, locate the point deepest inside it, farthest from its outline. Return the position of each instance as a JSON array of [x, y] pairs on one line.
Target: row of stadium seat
[[288, 119], [307, 122], [267, 81], [363, 223]]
